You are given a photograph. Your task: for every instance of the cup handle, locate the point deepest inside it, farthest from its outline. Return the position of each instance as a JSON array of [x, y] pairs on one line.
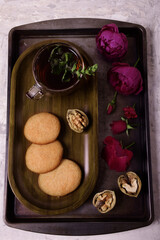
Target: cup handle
[[35, 92]]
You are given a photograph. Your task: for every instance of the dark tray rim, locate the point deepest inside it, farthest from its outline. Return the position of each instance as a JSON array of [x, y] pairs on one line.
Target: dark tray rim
[[80, 227]]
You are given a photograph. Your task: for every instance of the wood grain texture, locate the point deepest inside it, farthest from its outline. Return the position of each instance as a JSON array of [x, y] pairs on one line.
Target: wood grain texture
[[81, 148]]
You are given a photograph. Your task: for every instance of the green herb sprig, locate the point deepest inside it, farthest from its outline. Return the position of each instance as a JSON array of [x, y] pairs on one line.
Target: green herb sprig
[[64, 63]]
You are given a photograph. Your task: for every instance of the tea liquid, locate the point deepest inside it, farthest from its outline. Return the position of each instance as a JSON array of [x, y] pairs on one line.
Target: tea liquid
[[44, 74]]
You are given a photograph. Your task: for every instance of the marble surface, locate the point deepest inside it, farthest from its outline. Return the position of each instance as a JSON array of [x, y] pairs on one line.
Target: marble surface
[[144, 12]]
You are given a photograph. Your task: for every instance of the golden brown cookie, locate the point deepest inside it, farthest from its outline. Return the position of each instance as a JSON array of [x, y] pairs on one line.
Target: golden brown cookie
[[42, 128], [44, 158], [62, 180]]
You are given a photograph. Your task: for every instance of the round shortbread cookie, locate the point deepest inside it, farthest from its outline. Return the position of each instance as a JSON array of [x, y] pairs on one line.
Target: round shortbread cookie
[[44, 158], [62, 180], [42, 128]]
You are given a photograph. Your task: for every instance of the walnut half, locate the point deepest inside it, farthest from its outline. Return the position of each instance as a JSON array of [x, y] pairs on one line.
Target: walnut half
[[77, 120], [130, 184], [104, 201]]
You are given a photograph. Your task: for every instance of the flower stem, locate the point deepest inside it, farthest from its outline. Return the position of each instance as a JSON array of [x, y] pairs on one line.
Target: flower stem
[[115, 95], [130, 145], [135, 65], [134, 105], [114, 98]]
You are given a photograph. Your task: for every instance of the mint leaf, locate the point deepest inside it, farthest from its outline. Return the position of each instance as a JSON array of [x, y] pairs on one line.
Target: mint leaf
[[74, 67], [52, 53], [64, 63], [89, 71]]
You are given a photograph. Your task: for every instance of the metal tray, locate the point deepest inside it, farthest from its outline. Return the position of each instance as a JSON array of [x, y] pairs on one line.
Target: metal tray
[[129, 213]]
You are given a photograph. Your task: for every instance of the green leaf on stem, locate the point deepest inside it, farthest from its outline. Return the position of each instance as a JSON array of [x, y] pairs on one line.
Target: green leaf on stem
[[65, 63]]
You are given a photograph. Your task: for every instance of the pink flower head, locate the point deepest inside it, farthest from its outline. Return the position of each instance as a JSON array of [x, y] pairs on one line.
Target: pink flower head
[[117, 158], [112, 44], [118, 126], [125, 79], [129, 112]]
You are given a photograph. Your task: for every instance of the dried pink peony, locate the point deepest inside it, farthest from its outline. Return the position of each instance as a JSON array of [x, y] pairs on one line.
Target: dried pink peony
[[112, 44], [125, 79]]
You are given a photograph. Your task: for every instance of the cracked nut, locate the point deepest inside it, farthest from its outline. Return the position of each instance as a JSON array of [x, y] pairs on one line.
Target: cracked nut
[[104, 201], [77, 120], [130, 184]]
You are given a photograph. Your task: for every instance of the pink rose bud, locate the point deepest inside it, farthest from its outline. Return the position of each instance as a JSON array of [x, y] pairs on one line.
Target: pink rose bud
[[112, 105], [109, 109], [118, 126]]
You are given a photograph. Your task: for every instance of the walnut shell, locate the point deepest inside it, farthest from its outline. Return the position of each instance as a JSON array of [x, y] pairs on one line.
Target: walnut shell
[[130, 184], [104, 201], [77, 120]]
